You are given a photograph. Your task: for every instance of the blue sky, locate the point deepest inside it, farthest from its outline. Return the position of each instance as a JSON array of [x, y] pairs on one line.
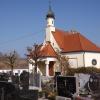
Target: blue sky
[[22, 22]]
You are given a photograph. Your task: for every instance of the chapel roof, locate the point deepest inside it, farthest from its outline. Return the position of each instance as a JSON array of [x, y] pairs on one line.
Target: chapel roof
[[47, 50], [74, 42]]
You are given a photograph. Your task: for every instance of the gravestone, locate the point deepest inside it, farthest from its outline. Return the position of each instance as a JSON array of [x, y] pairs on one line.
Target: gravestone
[[66, 86], [8, 91], [35, 81]]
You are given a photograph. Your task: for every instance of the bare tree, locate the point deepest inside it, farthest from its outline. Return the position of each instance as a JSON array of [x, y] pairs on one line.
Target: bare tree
[[62, 63], [35, 54], [11, 60]]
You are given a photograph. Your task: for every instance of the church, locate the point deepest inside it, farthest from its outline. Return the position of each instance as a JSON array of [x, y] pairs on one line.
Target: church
[[80, 51]]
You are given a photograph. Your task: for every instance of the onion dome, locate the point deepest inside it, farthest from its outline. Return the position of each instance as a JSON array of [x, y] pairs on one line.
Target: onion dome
[[50, 14]]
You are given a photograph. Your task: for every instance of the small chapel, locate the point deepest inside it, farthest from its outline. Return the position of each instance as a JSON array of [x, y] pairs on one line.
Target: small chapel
[[81, 51]]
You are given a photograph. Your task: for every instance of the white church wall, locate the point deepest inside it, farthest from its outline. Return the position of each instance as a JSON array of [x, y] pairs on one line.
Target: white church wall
[[50, 22], [49, 37], [48, 33], [51, 59], [48, 59], [54, 43], [89, 56], [75, 59]]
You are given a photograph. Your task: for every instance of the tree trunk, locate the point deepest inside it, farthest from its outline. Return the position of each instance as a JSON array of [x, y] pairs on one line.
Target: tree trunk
[[12, 73]]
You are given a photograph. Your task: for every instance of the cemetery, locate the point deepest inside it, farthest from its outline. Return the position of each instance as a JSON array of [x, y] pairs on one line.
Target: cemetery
[[27, 87], [66, 66]]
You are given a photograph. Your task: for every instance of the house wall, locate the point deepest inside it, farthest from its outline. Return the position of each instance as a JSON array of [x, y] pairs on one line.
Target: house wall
[[75, 59], [48, 36], [81, 59], [19, 71], [89, 56]]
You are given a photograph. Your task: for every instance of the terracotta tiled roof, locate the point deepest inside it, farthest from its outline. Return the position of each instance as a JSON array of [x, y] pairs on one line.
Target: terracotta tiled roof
[[74, 42], [47, 51]]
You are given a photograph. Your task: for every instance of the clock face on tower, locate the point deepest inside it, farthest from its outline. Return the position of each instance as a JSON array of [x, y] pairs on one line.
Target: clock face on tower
[[94, 61]]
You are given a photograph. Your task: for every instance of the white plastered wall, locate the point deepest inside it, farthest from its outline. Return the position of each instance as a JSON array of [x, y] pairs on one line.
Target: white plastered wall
[[75, 59], [49, 37], [89, 56]]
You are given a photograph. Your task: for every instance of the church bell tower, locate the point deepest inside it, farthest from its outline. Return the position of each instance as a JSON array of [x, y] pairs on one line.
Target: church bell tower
[[50, 19]]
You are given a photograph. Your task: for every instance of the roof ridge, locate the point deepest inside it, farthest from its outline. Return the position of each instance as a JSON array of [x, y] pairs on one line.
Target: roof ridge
[[60, 30]]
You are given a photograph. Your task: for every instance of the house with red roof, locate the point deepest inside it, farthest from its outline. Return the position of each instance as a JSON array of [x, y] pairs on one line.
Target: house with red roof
[[81, 51]]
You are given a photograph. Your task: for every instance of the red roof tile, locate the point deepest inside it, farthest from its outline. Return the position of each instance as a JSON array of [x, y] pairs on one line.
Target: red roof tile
[[47, 51], [74, 42]]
